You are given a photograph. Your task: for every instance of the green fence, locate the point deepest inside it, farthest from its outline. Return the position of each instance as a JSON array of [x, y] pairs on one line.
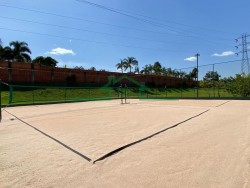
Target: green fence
[[20, 94]]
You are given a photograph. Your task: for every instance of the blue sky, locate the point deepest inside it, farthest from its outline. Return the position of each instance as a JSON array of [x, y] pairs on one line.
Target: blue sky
[[76, 33]]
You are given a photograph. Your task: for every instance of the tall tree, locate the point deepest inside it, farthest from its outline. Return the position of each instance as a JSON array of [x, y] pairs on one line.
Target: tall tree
[[194, 73], [211, 76], [47, 61], [130, 62], [120, 65], [137, 70], [6, 53], [182, 74], [157, 68], [92, 68], [21, 51]]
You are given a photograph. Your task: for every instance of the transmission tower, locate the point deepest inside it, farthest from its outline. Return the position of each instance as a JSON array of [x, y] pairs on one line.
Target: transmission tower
[[245, 61]]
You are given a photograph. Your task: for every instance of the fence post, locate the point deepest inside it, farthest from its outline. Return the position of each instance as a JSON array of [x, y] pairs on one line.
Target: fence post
[[10, 71], [65, 97], [32, 73], [11, 94], [33, 97]]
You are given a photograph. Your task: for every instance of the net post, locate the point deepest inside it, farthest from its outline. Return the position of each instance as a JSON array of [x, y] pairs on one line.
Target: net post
[[0, 100]]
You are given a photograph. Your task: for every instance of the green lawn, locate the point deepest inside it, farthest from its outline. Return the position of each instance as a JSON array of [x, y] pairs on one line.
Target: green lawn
[[182, 93], [44, 95]]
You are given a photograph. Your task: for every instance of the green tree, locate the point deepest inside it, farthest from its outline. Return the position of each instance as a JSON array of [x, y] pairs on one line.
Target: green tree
[[194, 74], [92, 68], [129, 63], [169, 72], [120, 65], [47, 61], [5, 52], [137, 70], [80, 67], [182, 74], [211, 76], [157, 68], [211, 79], [21, 51], [175, 73]]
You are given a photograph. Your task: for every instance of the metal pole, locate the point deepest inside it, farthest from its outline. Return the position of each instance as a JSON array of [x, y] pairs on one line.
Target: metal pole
[[121, 93], [125, 94], [197, 76], [0, 100], [65, 95]]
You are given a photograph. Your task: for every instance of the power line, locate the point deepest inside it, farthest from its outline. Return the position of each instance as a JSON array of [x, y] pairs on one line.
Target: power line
[[206, 65], [119, 12], [91, 21], [74, 18], [131, 15], [85, 30], [79, 39], [79, 29]]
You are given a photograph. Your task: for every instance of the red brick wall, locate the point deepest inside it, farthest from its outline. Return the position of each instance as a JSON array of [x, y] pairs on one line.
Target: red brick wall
[[23, 73]]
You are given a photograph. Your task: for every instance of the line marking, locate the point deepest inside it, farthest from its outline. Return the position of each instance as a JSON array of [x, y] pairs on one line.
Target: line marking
[[146, 138], [222, 104], [58, 141]]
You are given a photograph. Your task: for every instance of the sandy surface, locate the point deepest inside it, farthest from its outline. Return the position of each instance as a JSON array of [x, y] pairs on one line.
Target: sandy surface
[[43, 146]]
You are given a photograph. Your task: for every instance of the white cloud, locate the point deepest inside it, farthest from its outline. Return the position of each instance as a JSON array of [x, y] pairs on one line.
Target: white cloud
[[224, 54], [190, 59], [61, 51]]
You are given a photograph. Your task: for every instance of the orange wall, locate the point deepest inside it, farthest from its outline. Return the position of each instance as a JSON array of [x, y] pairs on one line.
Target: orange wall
[[23, 73]]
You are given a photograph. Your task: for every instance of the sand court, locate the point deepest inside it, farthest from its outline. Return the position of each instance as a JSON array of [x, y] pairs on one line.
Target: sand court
[[95, 129], [165, 142]]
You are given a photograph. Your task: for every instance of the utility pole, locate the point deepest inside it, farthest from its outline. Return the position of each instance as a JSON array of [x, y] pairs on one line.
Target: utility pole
[[245, 61], [197, 74]]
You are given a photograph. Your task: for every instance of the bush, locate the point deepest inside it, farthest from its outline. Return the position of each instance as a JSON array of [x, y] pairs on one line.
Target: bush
[[239, 86]]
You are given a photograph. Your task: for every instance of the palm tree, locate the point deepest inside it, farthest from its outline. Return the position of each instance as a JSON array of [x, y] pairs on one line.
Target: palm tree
[[130, 62], [164, 71], [21, 51], [120, 65], [182, 74], [150, 69], [175, 73], [137, 70]]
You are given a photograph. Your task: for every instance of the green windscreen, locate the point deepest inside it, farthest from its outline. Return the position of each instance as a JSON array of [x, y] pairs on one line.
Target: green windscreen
[[41, 94]]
